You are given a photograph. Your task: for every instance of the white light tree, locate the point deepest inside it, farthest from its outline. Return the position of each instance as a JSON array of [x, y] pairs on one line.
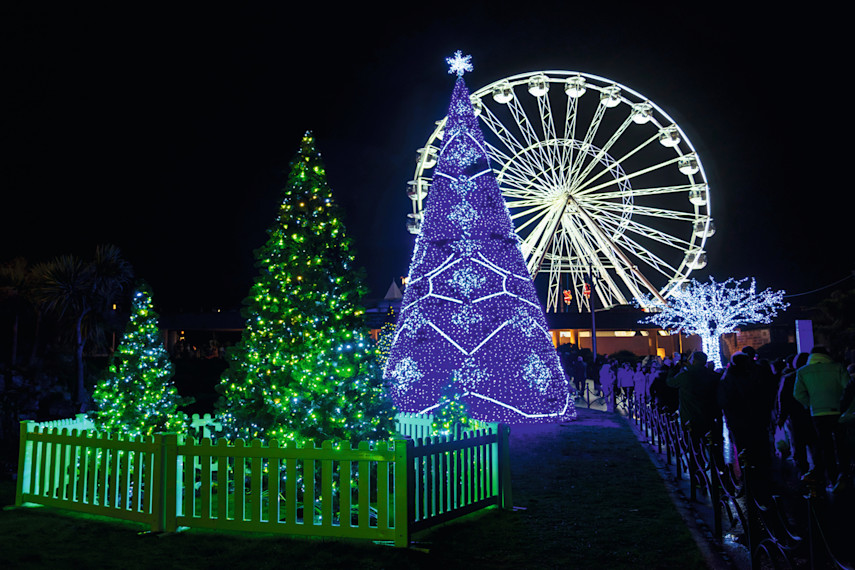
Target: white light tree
[[711, 309]]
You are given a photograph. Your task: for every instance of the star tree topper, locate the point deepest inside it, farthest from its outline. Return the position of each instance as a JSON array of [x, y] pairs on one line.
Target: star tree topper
[[459, 64]]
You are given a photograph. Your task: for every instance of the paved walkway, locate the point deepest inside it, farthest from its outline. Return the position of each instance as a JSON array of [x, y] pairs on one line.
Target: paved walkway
[[587, 495]]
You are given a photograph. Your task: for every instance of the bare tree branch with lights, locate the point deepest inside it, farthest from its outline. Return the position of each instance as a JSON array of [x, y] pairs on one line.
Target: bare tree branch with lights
[[711, 309]]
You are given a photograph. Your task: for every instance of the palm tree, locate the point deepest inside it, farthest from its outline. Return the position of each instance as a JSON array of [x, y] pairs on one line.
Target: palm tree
[[77, 291], [15, 281]]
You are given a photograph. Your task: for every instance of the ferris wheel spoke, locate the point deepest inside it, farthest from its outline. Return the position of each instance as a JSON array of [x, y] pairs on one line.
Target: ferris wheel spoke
[[566, 160], [514, 179], [604, 150], [589, 250], [540, 218], [556, 269], [496, 156], [538, 241], [652, 260], [620, 224], [526, 199], [523, 122], [526, 168], [626, 270], [638, 192], [550, 140], [574, 265], [626, 177], [516, 198], [598, 261], [539, 207], [576, 252], [503, 134], [593, 127], [521, 185], [530, 152], [645, 211], [622, 160]]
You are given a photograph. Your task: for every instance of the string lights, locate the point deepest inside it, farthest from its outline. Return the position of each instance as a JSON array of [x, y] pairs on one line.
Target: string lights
[[136, 395], [471, 329], [305, 368], [711, 309]]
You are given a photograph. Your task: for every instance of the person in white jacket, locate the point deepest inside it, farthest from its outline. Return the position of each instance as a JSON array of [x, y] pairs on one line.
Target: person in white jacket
[[624, 380], [639, 381], [607, 383]]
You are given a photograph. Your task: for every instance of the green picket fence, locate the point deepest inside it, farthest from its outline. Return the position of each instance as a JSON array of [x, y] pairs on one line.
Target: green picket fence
[[93, 472], [380, 491], [326, 491], [456, 475]]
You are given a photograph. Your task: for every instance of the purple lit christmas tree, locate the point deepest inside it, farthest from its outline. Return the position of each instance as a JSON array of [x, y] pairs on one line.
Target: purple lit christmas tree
[[470, 319]]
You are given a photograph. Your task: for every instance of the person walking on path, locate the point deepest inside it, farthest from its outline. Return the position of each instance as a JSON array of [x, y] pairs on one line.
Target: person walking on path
[[697, 395], [639, 382], [663, 396], [819, 387], [607, 384], [796, 419], [624, 380], [741, 396], [580, 375]]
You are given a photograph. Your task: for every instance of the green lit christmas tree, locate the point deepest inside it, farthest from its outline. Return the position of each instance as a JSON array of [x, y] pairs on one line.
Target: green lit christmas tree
[[305, 368], [136, 395]]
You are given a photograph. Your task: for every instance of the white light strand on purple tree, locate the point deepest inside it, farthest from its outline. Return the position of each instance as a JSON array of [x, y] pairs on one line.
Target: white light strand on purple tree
[[711, 309]]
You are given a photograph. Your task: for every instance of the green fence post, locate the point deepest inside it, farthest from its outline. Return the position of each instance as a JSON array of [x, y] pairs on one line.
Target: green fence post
[[505, 500], [165, 474], [404, 490], [24, 457]]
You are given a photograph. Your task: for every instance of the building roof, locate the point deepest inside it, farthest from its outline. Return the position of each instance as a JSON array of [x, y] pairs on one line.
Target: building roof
[[394, 293]]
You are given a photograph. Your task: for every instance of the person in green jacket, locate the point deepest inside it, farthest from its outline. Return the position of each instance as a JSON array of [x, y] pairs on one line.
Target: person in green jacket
[[819, 387]]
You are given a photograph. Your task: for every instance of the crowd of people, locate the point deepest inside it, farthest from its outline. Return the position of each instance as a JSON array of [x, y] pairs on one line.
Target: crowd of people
[[800, 408]]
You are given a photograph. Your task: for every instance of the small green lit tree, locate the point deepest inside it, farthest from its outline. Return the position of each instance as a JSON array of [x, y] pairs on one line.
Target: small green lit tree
[[385, 338], [452, 412], [305, 368], [136, 394]]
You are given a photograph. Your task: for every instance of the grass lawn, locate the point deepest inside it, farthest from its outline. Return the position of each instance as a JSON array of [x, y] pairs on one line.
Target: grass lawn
[[587, 497]]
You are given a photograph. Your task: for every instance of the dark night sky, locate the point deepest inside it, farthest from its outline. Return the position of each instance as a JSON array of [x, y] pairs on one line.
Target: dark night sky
[[167, 131]]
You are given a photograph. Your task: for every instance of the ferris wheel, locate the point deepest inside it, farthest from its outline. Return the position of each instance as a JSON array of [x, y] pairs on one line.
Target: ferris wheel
[[607, 193]]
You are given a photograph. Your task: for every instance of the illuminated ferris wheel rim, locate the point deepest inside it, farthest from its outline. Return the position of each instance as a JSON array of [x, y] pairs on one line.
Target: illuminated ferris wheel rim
[[524, 77], [612, 94]]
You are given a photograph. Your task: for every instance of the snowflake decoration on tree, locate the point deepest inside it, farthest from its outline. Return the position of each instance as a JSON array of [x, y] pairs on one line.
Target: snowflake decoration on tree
[[525, 323], [406, 374], [414, 322], [459, 64], [469, 375], [464, 215], [463, 185], [466, 281], [712, 309], [537, 373], [464, 155], [465, 247], [466, 317]]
